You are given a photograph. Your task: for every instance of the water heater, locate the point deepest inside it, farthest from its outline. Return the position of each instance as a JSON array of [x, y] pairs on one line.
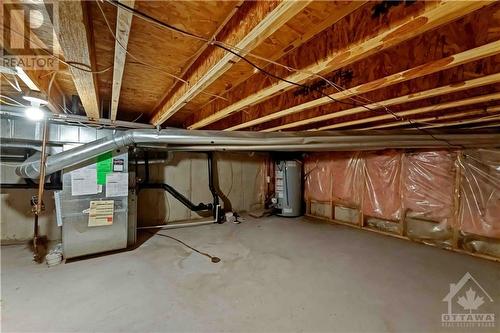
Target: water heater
[[288, 187]]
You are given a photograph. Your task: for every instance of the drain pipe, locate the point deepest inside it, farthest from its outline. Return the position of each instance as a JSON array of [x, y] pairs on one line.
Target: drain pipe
[[213, 207], [216, 206]]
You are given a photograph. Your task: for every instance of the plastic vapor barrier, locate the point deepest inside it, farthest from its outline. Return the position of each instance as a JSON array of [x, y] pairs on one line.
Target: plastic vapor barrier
[[381, 195], [442, 197], [480, 192], [428, 185]]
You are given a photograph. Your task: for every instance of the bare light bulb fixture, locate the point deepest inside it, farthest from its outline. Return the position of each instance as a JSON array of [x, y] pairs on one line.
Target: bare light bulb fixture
[[34, 113], [36, 99]]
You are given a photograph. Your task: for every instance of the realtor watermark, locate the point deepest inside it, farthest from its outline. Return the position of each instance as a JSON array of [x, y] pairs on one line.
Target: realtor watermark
[[466, 301], [29, 35]]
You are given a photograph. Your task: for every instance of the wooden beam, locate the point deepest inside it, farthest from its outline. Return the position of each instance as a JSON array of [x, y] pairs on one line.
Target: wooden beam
[[217, 63], [425, 109], [123, 24], [447, 89], [496, 125], [433, 17], [280, 45], [477, 53], [195, 57], [77, 47], [470, 121], [465, 122], [475, 112]]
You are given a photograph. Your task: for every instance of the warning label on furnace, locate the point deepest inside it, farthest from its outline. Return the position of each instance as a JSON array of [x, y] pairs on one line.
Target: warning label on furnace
[[101, 213]]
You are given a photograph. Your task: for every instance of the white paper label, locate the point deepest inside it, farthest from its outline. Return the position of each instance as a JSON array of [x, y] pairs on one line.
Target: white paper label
[[57, 202], [84, 181], [117, 184]]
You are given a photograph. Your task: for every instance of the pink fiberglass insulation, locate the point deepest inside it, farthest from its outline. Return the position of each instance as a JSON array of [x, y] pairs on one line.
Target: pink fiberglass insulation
[[428, 182], [480, 192], [347, 178], [381, 196], [317, 171], [336, 175]]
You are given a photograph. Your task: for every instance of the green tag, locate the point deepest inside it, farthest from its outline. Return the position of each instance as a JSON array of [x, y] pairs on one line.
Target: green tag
[[104, 166]]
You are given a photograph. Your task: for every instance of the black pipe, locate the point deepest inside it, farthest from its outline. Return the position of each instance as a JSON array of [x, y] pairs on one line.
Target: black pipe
[[48, 187], [216, 211], [214, 207], [146, 166], [55, 183], [185, 201]]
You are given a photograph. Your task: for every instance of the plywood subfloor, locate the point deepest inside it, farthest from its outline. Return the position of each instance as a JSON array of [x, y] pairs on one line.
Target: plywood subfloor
[[275, 275]]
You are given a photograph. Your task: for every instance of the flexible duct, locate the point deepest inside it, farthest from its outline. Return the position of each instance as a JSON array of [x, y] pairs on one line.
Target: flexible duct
[[175, 139]]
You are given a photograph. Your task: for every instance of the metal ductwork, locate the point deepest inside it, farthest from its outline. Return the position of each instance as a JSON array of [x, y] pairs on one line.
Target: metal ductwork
[[179, 140]]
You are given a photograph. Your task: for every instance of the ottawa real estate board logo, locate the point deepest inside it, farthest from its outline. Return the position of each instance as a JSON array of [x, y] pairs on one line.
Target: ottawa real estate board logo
[[467, 302]]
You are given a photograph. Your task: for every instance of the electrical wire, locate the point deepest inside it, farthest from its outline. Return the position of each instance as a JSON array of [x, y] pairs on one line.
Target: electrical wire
[[212, 258], [459, 122], [12, 100], [167, 216], [144, 63], [128, 52], [50, 84], [153, 20], [395, 115], [7, 103], [16, 85], [229, 48], [67, 63]]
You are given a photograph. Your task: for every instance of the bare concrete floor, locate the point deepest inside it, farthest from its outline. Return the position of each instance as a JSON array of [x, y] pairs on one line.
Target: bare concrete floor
[[275, 275]]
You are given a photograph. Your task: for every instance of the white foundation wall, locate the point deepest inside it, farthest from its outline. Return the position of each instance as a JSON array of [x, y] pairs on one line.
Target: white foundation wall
[[241, 178], [16, 218]]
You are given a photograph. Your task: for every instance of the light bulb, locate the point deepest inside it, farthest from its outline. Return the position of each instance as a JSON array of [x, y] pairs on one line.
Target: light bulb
[[34, 113]]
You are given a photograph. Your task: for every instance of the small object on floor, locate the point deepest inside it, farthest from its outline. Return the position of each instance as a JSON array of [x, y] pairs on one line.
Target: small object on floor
[[237, 218], [54, 257], [230, 217], [259, 213]]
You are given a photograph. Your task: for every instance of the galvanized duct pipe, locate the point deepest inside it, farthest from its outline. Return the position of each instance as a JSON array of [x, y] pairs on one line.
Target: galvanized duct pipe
[[174, 139], [330, 147]]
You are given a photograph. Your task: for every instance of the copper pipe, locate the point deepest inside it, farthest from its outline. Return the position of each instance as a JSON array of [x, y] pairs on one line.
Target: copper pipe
[[41, 183]]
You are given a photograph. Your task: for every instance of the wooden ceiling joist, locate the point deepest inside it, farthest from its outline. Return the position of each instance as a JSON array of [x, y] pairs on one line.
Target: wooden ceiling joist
[[77, 48], [412, 73], [492, 117], [476, 112], [39, 78], [425, 109], [432, 17], [447, 89], [123, 24], [495, 125], [263, 21], [55, 95]]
